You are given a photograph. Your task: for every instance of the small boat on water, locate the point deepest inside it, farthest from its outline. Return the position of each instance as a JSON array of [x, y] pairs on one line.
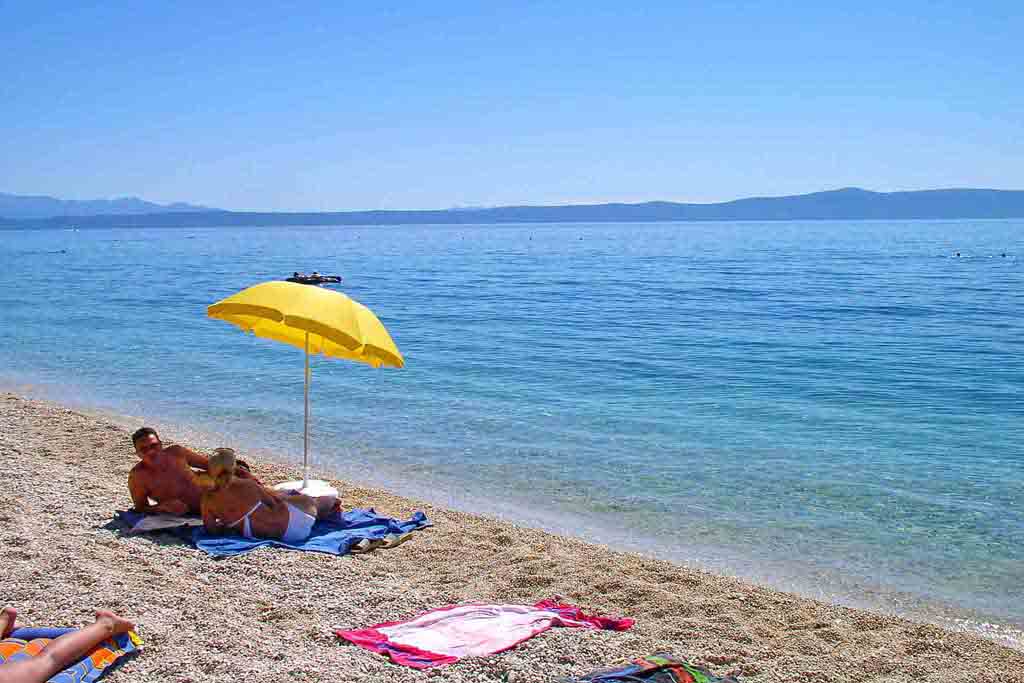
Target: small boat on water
[[314, 279]]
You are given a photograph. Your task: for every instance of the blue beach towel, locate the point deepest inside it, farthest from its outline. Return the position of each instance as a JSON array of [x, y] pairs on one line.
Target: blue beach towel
[[335, 535]]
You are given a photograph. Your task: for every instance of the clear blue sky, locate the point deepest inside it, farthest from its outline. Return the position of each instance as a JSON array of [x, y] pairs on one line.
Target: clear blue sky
[[360, 105]]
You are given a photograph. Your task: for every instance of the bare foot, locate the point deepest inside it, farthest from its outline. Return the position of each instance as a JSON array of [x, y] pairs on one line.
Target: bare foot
[[113, 622], [7, 617]]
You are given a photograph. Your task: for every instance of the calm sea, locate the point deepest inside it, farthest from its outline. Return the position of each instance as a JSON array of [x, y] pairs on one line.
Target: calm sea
[[829, 407]]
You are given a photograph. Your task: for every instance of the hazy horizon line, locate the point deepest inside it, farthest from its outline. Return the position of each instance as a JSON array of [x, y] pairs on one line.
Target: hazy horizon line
[[480, 207]]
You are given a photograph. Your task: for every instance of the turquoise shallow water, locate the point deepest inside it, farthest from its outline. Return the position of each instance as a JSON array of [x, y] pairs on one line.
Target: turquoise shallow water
[[830, 407]]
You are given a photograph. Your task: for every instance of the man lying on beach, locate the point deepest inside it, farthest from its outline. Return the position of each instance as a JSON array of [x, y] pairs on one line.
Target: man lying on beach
[[166, 476], [247, 508], [62, 652]]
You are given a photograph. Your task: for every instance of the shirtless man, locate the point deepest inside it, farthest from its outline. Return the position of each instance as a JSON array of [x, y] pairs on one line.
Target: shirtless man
[[166, 476]]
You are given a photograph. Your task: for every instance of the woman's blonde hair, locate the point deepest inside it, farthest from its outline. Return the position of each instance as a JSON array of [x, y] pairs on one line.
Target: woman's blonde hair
[[222, 466]]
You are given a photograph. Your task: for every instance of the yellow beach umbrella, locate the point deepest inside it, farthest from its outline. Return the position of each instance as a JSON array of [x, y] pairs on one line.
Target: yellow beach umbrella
[[314, 319]]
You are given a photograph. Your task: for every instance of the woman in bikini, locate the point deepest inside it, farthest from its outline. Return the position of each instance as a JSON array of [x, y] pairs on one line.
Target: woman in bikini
[[244, 507]]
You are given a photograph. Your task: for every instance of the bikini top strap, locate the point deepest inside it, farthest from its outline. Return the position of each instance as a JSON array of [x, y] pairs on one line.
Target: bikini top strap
[[244, 520]]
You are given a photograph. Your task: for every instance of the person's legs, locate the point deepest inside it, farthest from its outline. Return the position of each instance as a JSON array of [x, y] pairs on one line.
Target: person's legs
[[30, 670], [303, 502], [63, 651], [7, 617], [320, 507], [326, 506]]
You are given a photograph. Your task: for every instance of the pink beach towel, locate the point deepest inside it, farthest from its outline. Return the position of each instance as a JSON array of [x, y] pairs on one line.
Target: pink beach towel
[[446, 635]]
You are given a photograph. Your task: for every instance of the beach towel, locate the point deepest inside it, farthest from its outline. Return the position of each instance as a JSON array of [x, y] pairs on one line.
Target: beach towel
[[446, 635], [338, 535], [657, 668], [138, 522], [24, 643], [157, 522]]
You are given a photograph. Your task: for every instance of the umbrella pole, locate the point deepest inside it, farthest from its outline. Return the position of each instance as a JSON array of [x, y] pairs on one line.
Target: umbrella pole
[[305, 434]]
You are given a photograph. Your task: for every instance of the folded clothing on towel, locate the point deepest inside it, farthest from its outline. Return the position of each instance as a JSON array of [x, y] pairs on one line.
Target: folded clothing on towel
[[656, 668], [446, 635], [29, 642]]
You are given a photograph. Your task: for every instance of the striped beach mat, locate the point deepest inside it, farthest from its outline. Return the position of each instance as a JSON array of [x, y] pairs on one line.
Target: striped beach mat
[[656, 668], [24, 643]]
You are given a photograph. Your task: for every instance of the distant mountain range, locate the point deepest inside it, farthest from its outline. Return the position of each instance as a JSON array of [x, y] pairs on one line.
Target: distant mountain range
[[16, 206], [845, 204]]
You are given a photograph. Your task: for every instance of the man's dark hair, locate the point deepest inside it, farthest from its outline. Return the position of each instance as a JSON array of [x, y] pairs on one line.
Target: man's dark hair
[[143, 432]]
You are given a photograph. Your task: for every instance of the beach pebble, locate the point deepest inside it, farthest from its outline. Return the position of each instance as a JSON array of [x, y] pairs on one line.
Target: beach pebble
[[270, 615]]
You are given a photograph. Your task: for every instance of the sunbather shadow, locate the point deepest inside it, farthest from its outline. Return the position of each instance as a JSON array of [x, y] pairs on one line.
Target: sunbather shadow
[[121, 661], [164, 538], [115, 525], [169, 537]]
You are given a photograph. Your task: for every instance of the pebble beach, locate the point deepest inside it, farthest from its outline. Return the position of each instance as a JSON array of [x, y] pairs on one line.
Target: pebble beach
[[270, 615]]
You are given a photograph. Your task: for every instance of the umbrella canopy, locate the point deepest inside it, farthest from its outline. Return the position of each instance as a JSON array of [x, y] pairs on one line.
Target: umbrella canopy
[[337, 326], [314, 319]]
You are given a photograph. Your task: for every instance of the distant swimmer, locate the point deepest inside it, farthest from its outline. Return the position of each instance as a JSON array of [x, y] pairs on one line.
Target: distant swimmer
[[958, 254]]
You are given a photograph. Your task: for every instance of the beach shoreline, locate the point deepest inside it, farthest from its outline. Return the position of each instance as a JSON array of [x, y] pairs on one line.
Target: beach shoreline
[[795, 576], [271, 614]]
